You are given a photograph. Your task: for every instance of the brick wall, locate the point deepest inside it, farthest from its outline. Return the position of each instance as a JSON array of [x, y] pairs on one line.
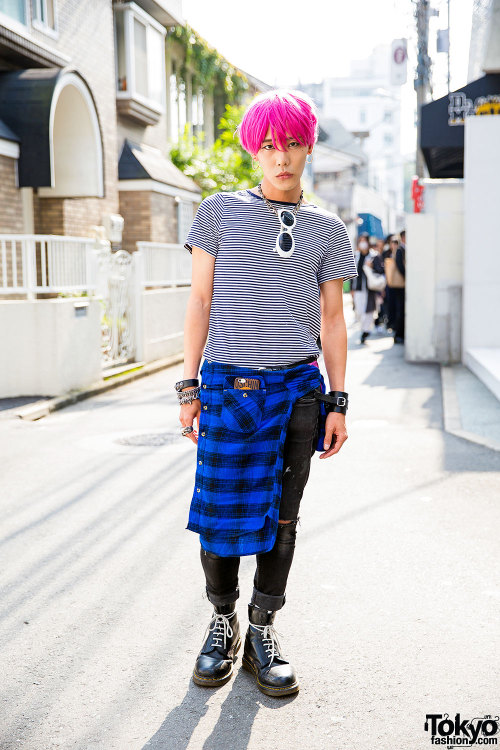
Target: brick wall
[[135, 207], [163, 218], [11, 210]]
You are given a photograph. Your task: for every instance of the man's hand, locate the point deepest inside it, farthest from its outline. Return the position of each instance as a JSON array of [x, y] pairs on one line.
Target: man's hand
[[335, 434], [190, 412]]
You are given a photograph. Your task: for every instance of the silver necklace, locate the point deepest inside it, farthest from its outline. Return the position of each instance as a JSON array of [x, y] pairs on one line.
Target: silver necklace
[[273, 209]]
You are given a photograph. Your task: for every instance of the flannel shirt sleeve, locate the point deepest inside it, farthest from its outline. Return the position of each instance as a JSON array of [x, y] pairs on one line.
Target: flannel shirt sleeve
[[204, 231], [338, 260]]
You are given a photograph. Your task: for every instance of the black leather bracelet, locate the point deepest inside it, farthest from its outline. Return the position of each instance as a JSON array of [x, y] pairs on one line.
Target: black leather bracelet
[[186, 384], [336, 401]]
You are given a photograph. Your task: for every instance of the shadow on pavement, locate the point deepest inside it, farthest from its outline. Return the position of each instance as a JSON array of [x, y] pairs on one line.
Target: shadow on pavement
[[233, 728]]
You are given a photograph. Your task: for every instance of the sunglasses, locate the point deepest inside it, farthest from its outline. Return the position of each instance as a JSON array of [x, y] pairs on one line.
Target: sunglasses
[[285, 244]]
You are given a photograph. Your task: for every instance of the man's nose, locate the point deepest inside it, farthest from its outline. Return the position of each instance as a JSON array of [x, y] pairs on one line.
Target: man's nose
[[282, 157]]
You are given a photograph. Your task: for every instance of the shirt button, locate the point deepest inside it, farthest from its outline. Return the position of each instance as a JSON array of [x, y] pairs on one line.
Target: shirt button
[[200, 462], [198, 489], [203, 434], [205, 407], [245, 395], [204, 386]]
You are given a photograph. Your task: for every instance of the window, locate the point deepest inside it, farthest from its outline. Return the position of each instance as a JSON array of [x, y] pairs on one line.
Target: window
[[387, 115], [174, 108], [184, 220], [197, 108], [44, 13], [388, 139], [15, 9], [362, 115], [140, 63]]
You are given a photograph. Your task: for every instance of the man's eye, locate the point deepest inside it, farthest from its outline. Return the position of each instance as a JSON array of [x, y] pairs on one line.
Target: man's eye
[[268, 146], [294, 143]]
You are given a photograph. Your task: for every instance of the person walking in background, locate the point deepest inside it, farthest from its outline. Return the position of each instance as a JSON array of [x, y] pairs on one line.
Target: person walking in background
[[389, 265], [399, 292], [366, 300], [381, 318]]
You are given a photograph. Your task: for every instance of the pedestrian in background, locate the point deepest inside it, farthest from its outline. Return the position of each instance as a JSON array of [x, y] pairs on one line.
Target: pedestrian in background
[[399, 292], [389, 269], [366, 301]]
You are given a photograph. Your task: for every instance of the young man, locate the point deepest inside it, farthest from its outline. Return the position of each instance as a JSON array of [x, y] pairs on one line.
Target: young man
[[267, 271]]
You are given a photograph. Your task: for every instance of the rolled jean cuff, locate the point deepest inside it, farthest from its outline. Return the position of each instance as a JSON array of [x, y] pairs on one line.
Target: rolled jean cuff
[[266, 601], [223, 598]]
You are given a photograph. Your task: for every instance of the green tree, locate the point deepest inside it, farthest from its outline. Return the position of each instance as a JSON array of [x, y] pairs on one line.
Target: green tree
[[224, 166]]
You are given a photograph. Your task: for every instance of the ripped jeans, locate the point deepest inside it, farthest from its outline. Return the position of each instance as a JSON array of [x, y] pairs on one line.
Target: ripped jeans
[[271, 575]]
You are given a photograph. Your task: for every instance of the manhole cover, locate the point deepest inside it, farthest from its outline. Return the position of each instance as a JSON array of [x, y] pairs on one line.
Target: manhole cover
[[153, 440]]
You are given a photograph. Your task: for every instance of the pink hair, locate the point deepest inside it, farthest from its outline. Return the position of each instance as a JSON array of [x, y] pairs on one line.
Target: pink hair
[[289, 113]]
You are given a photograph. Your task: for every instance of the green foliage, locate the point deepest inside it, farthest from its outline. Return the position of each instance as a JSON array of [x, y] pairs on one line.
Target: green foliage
[[210, 68], [223, 166]]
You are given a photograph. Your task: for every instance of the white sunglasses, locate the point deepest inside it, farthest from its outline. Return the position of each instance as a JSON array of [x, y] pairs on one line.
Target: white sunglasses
[[285, 244]]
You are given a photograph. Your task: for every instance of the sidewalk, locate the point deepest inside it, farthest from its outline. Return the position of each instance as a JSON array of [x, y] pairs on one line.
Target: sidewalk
[[393, 599]]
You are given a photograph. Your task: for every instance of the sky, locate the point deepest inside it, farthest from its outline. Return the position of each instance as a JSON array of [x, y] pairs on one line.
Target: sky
[[288, 42]]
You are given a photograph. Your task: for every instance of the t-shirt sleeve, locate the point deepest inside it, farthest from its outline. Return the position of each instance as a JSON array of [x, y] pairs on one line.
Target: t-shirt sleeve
[[338, 261], [204, 231]]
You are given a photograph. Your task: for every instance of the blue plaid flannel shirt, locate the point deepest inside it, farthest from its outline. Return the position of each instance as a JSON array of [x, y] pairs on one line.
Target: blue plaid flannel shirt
[[239, 463]]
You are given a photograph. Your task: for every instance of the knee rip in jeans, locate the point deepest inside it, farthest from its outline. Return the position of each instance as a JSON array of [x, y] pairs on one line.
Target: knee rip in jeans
[[287, 531]]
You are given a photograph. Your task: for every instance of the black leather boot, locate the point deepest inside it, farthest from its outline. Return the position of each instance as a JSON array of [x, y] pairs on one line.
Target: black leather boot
[[214, 664], [262, 655]]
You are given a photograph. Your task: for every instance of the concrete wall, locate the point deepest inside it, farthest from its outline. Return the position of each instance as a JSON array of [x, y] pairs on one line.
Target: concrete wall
[[163, 313], [47, 349], [434, 275], [481, 299]]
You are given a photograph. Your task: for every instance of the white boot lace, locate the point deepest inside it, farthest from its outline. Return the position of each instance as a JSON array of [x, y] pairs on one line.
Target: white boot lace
[[221, 628], [270, 640]]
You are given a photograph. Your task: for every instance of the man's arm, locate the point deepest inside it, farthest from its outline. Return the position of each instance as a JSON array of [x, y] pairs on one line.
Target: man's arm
[[196, 329], [198, 311], [334, 345]]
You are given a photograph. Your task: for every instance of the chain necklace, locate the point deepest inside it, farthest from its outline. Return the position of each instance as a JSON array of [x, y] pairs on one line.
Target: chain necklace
[[273, 209]]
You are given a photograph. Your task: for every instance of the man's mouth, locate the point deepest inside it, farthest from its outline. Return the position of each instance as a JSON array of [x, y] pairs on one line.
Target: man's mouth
[[284, 175]]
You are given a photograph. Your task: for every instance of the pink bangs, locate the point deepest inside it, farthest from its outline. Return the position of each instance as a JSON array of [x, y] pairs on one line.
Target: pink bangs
[[289, 113]]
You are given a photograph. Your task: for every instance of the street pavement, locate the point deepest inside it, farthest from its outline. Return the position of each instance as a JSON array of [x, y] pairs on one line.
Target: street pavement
[[393, 599]]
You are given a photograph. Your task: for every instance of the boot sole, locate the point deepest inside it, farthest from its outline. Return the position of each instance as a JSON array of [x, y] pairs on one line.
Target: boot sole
[[276, 692], [213, 682]]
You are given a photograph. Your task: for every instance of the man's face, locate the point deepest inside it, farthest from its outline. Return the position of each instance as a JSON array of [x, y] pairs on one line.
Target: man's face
[[289, 163]]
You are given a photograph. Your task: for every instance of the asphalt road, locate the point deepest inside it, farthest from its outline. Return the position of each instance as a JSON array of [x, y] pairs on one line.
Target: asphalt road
[[393, 600]]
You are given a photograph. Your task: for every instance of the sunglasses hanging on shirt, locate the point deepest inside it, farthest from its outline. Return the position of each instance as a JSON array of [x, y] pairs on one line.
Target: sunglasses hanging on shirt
[[285, 244]]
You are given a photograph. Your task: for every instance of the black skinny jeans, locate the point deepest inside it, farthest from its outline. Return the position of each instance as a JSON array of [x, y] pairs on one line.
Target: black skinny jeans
[[271, 575]]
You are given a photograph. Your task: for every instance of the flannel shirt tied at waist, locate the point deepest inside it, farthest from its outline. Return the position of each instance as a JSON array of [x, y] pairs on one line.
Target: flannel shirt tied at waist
[[239, 462]]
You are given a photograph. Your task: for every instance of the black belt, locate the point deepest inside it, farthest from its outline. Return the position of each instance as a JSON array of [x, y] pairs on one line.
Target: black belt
[[305, 361]]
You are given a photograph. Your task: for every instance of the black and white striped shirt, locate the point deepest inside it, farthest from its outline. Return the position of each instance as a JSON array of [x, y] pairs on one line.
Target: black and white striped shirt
[[266, 309]]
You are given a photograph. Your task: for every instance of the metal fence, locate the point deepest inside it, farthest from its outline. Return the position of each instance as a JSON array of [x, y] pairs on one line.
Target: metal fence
[[36, 263], [165, 264]]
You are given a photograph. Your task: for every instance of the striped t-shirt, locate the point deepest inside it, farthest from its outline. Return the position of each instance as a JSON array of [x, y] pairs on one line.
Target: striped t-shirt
[[266, 309]]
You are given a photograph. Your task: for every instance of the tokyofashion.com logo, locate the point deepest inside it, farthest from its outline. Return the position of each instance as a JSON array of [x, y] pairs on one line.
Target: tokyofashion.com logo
[[460, 732]]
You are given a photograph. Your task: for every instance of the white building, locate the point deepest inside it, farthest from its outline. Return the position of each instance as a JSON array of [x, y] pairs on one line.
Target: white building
[[453, 259], [368, 106]]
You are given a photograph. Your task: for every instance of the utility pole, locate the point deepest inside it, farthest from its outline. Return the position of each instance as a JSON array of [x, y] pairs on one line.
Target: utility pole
[[448, 46], [422, 80]]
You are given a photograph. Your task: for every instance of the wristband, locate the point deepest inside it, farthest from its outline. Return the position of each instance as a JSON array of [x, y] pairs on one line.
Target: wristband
[[336, 401], [186, 384]]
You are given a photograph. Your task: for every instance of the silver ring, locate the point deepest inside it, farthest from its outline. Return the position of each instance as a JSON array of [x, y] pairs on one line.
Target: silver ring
[[186, 430]]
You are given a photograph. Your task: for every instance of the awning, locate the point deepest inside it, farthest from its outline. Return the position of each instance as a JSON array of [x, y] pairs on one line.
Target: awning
[[53, 113], [371, 224], [139, 162], [442, 124]]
